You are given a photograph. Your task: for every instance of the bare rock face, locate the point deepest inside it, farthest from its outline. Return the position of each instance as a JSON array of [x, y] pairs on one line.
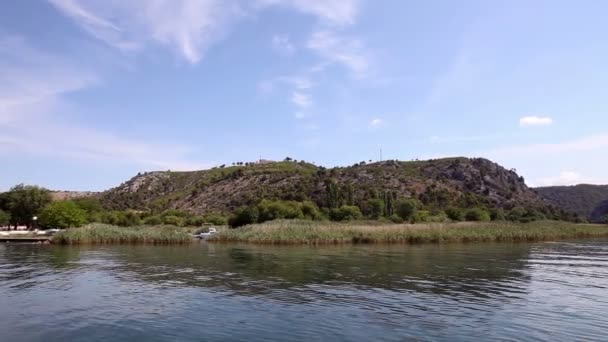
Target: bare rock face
[[443, 182]]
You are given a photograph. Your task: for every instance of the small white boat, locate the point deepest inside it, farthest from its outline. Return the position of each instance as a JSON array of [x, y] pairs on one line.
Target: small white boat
[[206, 235]]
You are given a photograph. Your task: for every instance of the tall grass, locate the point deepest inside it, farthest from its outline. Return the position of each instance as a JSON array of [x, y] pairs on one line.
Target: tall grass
[[309, 232], [106, 234]]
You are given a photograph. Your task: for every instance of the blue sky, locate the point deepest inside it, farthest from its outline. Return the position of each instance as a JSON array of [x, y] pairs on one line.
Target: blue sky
[[94, 91]]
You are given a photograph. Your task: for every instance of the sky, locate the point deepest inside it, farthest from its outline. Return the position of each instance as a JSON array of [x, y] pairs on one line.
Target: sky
[[94, 91]]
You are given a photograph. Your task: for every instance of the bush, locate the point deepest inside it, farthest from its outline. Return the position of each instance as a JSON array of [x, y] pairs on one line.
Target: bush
[[396, 219], [216, 219], [497, 214], [63, 214], [273, 210], [244, 216], [311, 211], [421, 216], [455, 214], [345, 213], [92, 206], [406, 209], [195, 221], [153, 221], [477, 214], [173, 220], [121, 218]]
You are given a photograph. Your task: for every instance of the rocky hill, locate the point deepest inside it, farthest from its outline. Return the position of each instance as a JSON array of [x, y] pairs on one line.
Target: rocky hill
[[438, 183], [590, 201]]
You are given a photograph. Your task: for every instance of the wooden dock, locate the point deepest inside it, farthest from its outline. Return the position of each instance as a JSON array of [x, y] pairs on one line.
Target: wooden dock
[[26, 239]]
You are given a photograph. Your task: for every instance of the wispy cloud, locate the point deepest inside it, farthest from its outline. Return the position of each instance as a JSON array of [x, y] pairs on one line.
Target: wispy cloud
[[301, 99], [33, 89], [283, 45], [377, 122], [529, 121], [188, 27], [345, 51], [338, 12], [564, 178]]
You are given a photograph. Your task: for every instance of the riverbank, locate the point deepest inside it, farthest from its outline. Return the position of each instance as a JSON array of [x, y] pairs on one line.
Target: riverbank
[[310, 232], [325, 232]]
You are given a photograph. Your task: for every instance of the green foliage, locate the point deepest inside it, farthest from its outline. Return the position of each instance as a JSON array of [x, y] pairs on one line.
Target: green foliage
[[5, 218], [497, 214], [519, 214], [455, 214], [273, 210], [396, 219], [215, 219], [477, 214], [311, 211], [244, 216], [92, 207], [421, 216], [345, 213], [375, 208], [406, 209], [26, 201], [63, 214], [173, 220], [153, 220], [121, 218]]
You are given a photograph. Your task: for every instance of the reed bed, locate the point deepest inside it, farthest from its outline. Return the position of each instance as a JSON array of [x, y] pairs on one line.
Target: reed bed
[[108, 234], [310, 232]]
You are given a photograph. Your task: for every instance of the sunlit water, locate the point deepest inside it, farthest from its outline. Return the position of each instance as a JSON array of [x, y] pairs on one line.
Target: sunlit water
[[206, 292]]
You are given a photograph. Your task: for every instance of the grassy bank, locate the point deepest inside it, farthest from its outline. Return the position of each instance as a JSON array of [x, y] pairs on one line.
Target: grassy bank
[[107, 234], [309, 232]]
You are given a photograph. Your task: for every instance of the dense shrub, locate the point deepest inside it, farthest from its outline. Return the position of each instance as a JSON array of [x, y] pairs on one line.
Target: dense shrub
[[345, 213], [311, 211], [497, 214], [477, 214], [215, 219], [63, 214], [406, 209], [455, 214], [153, 220], [244, 216], [273, 210], [375, 208], [121, 218], [421, 216], [173, 220], [396, 219]]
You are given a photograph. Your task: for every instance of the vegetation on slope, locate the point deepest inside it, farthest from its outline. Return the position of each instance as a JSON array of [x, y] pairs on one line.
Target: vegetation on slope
[[588, 201]]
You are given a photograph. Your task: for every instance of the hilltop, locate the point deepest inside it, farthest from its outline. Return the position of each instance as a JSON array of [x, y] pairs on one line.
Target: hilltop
[[590, 201], [436, 184]]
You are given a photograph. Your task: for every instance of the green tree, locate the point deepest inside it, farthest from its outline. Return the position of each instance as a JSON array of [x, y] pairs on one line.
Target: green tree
[[26, 201], [216, 219], [153, 220], [406, 209], [375, 207], [173, 220], [63, 214], [311, 211], [92, 206], [5, 218]]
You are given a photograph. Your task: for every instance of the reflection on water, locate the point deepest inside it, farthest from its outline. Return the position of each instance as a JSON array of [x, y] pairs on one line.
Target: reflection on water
[[544, 291]]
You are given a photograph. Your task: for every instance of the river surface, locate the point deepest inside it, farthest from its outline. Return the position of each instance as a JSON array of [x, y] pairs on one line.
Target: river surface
[[211, 292]]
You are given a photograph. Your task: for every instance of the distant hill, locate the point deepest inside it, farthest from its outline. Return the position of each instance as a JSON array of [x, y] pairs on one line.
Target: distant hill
[[60, 195], [440, 183], [590, 201]]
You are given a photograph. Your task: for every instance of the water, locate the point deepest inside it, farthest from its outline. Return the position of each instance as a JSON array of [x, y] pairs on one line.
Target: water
[[210, 292]]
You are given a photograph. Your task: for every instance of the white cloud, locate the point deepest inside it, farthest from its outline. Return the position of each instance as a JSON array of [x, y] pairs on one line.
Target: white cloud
[[564, 178], [300, 115], [33, 107], [340, 12], [345, 51], [188, 27], [301, 99], [376, 122], [528, 121], [282, 44]]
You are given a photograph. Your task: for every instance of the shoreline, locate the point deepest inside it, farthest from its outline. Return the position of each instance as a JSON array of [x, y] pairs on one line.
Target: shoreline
[[300, 232]]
